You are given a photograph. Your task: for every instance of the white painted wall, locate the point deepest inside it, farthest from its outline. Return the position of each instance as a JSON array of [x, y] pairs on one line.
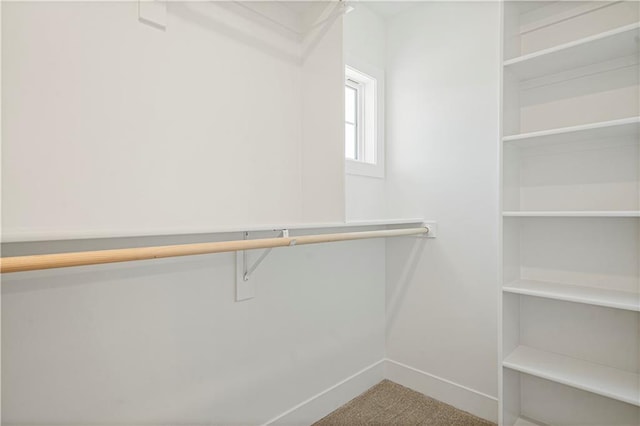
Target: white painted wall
[[365, 43], [164, 342], [442, 164], [322, 160], [195, 127]]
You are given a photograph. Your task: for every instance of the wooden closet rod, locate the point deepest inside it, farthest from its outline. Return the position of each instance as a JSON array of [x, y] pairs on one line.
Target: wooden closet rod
[[64, 260]]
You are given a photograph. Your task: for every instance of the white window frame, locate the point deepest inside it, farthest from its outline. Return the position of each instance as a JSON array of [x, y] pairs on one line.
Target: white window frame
[[371, 119], [359, 88]]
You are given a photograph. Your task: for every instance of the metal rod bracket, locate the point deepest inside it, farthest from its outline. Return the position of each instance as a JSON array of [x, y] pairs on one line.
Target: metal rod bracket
[[244, 289]]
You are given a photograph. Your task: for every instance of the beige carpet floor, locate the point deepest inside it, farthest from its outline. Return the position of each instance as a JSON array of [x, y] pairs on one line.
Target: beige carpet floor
[[388, 403]]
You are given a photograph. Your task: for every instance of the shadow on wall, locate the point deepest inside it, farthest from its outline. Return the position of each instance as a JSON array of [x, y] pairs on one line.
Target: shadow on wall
[[25, 282], [397, 289]]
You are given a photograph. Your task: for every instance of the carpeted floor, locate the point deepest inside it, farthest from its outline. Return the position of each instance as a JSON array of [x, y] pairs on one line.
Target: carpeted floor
[[388, 403]]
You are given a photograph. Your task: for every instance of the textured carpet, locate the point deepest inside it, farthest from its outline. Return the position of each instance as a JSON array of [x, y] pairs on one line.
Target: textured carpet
[[388, 403]]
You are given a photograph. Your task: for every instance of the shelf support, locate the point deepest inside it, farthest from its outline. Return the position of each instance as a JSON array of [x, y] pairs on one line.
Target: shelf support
[[244, 289], [248, 271]]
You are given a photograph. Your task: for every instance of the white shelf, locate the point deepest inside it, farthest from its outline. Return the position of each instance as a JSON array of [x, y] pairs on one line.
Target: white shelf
[[602, 130], [590, 50], [577, 213], [578, 294], [28, 236], [606, 381]]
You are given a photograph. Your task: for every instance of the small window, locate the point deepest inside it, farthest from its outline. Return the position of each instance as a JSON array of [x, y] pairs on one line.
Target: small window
[[363, 124], [353, 138]]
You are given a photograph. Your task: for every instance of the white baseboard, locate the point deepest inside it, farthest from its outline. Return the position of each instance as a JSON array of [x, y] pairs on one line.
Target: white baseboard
[[318, 406], [461, 397]]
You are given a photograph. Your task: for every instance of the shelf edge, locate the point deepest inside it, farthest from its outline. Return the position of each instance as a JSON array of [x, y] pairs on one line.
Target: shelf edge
[[554, 378], [573, 299], [575, 43], [572, 213], [572, 129]]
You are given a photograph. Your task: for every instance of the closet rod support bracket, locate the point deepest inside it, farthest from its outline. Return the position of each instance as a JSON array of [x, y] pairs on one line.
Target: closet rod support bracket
[[284, 233], [244, 289]]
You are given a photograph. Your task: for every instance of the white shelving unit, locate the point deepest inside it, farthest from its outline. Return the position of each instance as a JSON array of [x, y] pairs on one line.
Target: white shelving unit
[[570, 220]]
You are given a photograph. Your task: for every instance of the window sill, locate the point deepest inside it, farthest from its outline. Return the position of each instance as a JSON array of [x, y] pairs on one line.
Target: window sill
[[358, 168]]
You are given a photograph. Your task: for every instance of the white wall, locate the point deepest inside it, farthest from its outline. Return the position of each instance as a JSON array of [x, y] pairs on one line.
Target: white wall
[[164, 342], [365, 43], [114, 127], [442, 164], [323, 122]]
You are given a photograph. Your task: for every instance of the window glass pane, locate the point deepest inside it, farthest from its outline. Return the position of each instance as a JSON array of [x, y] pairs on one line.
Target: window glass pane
[[350, 99], [350, 141]]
